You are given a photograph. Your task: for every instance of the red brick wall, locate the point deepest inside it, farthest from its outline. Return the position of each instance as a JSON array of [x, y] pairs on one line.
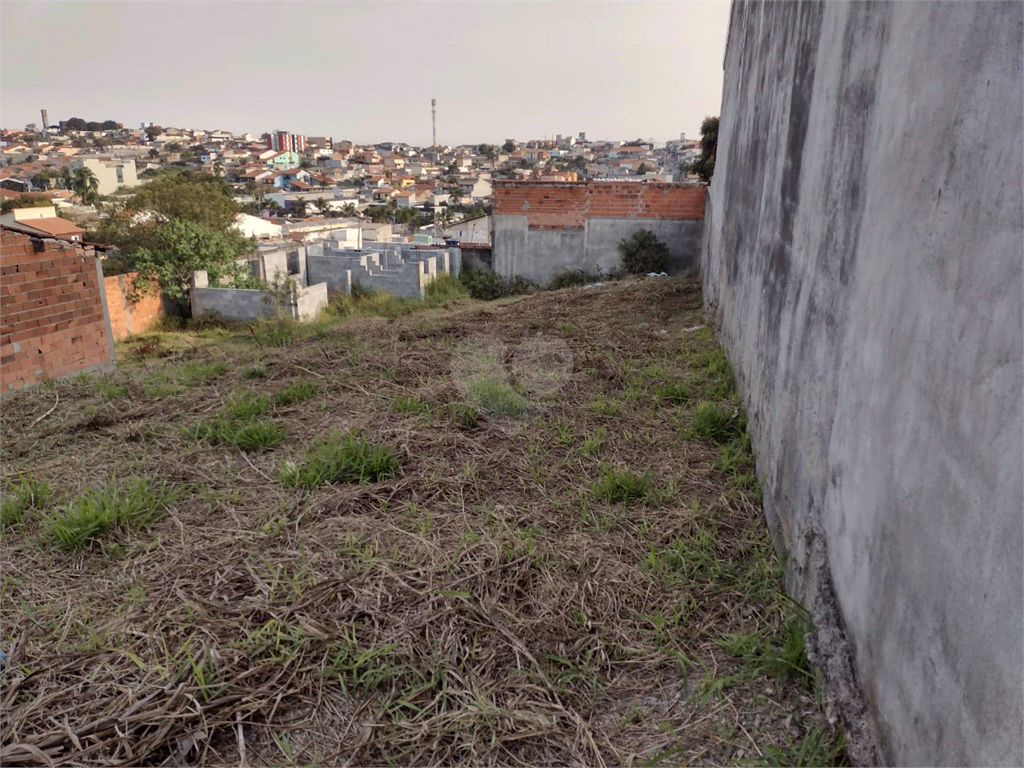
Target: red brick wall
[[567, 205], [127, 318], [51, 311]]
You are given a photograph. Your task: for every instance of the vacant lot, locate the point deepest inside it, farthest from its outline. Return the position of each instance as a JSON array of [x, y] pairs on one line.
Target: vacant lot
[[526, 532]]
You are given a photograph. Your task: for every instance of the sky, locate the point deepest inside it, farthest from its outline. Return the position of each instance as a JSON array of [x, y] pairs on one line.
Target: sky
[[366, 71]]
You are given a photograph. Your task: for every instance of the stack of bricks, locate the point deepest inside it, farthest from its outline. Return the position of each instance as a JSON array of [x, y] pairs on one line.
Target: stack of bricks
[[567, 205], [52, 319], [126, 317]]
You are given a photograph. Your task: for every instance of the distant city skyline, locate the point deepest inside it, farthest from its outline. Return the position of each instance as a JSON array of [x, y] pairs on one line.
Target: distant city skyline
[[367, 73]]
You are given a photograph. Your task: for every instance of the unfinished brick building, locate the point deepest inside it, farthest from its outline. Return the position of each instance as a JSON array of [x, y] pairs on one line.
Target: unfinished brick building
[[53, 317], [543, 227]]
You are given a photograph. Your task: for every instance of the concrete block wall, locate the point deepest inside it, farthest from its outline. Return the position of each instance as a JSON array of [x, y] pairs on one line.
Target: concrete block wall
[[241, 305], [863, 261], [126, 317], [53, 318]]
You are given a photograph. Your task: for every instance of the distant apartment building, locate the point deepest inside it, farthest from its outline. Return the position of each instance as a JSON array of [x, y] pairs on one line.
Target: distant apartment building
[[282, 141], [110, 173]]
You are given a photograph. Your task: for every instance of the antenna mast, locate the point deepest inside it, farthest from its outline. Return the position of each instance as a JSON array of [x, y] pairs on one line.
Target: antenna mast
[[433, 121]]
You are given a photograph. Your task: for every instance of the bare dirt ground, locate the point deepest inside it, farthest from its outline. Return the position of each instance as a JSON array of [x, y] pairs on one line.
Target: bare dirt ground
[[559, 560]]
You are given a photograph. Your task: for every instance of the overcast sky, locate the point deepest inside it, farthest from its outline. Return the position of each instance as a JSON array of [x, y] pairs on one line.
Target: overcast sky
[[366, 71]]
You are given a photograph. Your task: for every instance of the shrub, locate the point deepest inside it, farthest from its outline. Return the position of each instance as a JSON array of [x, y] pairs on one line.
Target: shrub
[[247, 404], [351, 459], [487, 285], [570, 277], [445, 288], [643, 252]]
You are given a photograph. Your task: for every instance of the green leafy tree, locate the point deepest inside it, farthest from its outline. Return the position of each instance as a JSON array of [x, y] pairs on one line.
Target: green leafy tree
[[189, 195], [508, 146], [299, 207], [643, 252], [642, 169], [86, 185], [152, 131], [180, 248], [322, 206], [350, 211], [25, 201], [704, 166]]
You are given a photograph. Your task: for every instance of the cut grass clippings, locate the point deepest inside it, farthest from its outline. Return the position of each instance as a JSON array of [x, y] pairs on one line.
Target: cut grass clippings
[[404, 579]]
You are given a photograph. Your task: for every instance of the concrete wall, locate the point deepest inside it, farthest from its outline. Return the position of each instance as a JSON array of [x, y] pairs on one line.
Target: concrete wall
[[241, 305], [542, 228], [53, 317], [863, 260]]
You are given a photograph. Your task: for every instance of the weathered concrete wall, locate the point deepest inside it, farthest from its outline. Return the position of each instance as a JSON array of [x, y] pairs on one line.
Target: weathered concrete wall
[[863, 258], [241, 304], [543, 228]]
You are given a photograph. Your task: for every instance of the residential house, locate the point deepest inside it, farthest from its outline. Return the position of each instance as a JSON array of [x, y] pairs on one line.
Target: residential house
[[43, 222], [286, 159]]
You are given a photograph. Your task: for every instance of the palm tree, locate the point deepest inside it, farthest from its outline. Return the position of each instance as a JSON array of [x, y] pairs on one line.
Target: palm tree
[[65, 177], [299, 207], [322, 205], [350, 211], [86, 185], [455, 193]]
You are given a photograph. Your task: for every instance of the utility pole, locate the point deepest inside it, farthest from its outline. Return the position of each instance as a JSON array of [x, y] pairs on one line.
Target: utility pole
[[433, 121]]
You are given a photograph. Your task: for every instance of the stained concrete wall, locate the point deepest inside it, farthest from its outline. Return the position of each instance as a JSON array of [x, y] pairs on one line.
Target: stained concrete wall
[[863, 261], [239, 304], [539, 254]]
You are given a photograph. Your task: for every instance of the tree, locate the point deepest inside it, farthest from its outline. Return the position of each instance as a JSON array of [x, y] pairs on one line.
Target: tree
[[508, 146], [489, 151], [154, 152], [299, 207], [152, 131], [322, 206], [25, 201], [642, 169], [455, 194], [350, 211], [42, 179], [183, 247], [704, 166], [188, 195], [643, 253], [86, 185]]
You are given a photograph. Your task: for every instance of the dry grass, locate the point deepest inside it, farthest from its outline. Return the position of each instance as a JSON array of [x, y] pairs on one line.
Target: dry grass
[[481, 606]]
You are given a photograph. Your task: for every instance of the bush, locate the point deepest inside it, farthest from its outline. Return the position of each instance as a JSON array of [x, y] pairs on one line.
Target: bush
[[445, 288], [570, 277], [487, 285], [643, 253]]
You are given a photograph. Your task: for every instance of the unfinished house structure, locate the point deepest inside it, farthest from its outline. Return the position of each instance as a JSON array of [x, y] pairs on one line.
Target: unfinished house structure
[[318, 268]]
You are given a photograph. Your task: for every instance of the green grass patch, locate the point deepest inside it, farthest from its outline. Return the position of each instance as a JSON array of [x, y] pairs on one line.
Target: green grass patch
[[603, 406], [445, 289], [247, 435], [403, 404], [674, 393], [132, 506], [22, 497], [783, 657], [298, 392], [346, 459], [717, 423], [258, 371], [620, 486], [497, 398], [246, 404]]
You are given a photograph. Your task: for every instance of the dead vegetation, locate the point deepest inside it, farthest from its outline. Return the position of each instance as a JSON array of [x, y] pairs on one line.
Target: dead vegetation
[[486, 567]]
